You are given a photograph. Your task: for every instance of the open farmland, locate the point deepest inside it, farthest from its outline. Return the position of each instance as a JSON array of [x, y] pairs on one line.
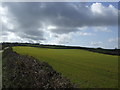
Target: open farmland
[[87, 69]]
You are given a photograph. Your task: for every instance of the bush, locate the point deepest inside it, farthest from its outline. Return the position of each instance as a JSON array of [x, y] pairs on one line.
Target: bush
[[20, 71]]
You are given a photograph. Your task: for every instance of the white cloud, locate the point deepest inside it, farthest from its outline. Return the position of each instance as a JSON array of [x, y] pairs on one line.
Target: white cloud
[[103, 29], [59, 39], [85, 34], [11, 37], [114, 40], [82, 28], [98, 8], [51, 27], [113, 9], [97, 43], [62, 39], [4, 17], [3, 10]]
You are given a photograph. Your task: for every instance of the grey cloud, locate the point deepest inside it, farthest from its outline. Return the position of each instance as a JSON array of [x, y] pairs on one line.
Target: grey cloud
[[31, 35], [64, 30], [67, 17], [27, 16]]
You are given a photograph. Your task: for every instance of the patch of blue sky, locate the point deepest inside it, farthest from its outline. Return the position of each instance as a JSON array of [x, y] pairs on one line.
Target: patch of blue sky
[[101, 37]]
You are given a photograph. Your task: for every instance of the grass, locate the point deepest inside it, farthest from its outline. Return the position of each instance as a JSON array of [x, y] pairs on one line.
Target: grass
[[87, 69]]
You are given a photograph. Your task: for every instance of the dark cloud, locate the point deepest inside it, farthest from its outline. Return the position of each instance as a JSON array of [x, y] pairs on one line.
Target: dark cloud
[[64, 30], [33, 18]]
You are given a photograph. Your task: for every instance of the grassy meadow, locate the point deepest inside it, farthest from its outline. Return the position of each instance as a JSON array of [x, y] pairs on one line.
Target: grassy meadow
[[86, 69]]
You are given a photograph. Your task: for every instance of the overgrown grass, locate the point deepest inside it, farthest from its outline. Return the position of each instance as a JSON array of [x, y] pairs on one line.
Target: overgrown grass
[[87, 69]]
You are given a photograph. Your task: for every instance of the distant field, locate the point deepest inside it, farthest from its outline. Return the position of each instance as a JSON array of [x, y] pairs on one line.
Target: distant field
[[87, 69]]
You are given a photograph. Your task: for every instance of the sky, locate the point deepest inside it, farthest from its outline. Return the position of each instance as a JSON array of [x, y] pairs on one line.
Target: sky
[[85, 24]]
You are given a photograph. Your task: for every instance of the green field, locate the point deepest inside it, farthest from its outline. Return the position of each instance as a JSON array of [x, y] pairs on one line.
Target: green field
[[87, 69]]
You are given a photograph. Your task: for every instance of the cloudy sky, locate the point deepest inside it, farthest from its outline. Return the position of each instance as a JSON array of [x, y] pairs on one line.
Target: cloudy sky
[[88, 24]]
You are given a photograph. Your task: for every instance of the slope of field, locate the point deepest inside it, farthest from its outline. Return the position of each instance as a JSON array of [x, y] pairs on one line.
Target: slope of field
[[87, 69]]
